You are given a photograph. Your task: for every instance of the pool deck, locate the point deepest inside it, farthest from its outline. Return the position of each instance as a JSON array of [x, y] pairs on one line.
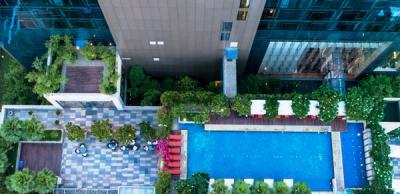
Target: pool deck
[[338, 185], [276, 128], [184, 154]]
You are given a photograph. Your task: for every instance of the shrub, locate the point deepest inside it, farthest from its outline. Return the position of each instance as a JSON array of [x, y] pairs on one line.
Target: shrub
[[281, 188], [260, 187], [165, 118], [395, 133], [219, 187], [11, 130], [163, 183], [220, 105], [102, 130], [240, 187], [125, 134], [186, 84], [147, 132], [3, 162], [20, 182], [271, 107], [328, 100], [75, 132], [358, 104], [32, 130], [300, 188], [62, 49], [108, 84], [396, 86], [45, 181], [378, 85], [89, 52], [241, 104], [197, 184], [300, 105], [151, 97]]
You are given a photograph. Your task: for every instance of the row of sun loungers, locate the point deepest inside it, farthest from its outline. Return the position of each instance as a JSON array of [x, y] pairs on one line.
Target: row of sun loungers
[[174, 149], [368, 160], [270, 182]]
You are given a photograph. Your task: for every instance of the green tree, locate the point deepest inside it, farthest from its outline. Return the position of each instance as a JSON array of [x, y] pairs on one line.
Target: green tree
[[102, 130], [219, 187], [220, 105], [89, 52], [20, 182], [147, 132], [240, 187], [125, 134], [260, 187], [3, 162], [136, 75], [32, 130], [359, 104], [394, 133], [241, 104], [301, 188], [328, 100], [163, 183], [186, 84], [167, 84], [197, 184], [11, 130], [378, 85], [151, 97], [253, 84], [45, 181], [300, 105], [271, 107], [75, 132], [396, 86], [281, 188]]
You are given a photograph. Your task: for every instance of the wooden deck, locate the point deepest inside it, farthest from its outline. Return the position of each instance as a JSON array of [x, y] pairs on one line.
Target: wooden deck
[[83, 79], [37, 156], [336, 125]]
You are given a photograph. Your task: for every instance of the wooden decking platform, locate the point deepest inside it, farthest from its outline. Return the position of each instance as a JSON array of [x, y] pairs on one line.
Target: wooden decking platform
[[37, 156], [234, 119], [83, 79]]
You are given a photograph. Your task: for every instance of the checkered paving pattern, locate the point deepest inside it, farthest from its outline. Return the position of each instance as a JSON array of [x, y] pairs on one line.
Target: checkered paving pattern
[[103, 168]]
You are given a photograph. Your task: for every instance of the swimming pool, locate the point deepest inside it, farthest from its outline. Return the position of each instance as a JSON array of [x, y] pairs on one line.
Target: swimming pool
[[355, 175], [303, 157]]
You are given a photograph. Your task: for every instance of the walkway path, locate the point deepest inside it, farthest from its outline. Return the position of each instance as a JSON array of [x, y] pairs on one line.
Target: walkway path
[[337, 162]]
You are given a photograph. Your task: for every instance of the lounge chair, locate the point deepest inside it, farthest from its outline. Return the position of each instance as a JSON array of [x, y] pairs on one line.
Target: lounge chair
[[287, 116], [260, 116], [174, 164], [270, 182], [210, 184], [229, 183], [288, 182], [174, 143], [368, 161], [175, 157], [370, 173], [174, 171], [174, 137], [249, 181], [174, 150]]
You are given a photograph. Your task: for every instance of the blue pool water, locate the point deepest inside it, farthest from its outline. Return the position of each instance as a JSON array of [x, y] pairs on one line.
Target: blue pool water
[[355, 175], [303, 157]]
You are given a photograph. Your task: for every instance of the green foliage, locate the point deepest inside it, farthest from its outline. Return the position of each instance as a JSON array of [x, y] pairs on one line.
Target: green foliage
[[47, 78], [3, 162], [186, 84], [281, 188], [125, 134], [260, 187], [240, 187], [253, 84], [168, 84], [378, 85], [396, 86], [102, 130], [14, 130], [197, 184], [20, 182], [271, 107], [300, 105], [108, 84], [213, 87], [147, 132], [163, 183], [62, 49], [136, 76], [33, 130], [75, 132], [89, 52], [165, 118], [394, 134], [241, 104], [300, 188], [142, 88], [359, 104], [328, 100], [220, 105], [219, 187], [151, 97], [45, 181]]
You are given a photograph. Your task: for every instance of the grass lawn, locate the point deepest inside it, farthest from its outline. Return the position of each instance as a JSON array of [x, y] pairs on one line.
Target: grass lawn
[[52, 135]]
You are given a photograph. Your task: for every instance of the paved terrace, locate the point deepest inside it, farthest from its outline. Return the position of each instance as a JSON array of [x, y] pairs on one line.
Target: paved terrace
[[234, 119], [102, 169], [83, 79]]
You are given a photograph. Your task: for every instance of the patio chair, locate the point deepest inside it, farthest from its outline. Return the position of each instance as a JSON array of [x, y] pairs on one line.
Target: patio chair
[[270, 182], [174, 164], [288, 182], [77, 151], [249, 181], [85, 155], [174, 143], [174, 136], [229, 183]]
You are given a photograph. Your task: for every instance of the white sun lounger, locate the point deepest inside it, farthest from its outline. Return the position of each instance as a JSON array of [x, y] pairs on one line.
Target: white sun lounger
[[229, 183], [270, 182], [370, 173], [210, 184], [368, 161], [288, 182], [249, 181]]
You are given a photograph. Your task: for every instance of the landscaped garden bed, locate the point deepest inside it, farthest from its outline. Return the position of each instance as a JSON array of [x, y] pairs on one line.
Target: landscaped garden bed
[[52, 135]]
